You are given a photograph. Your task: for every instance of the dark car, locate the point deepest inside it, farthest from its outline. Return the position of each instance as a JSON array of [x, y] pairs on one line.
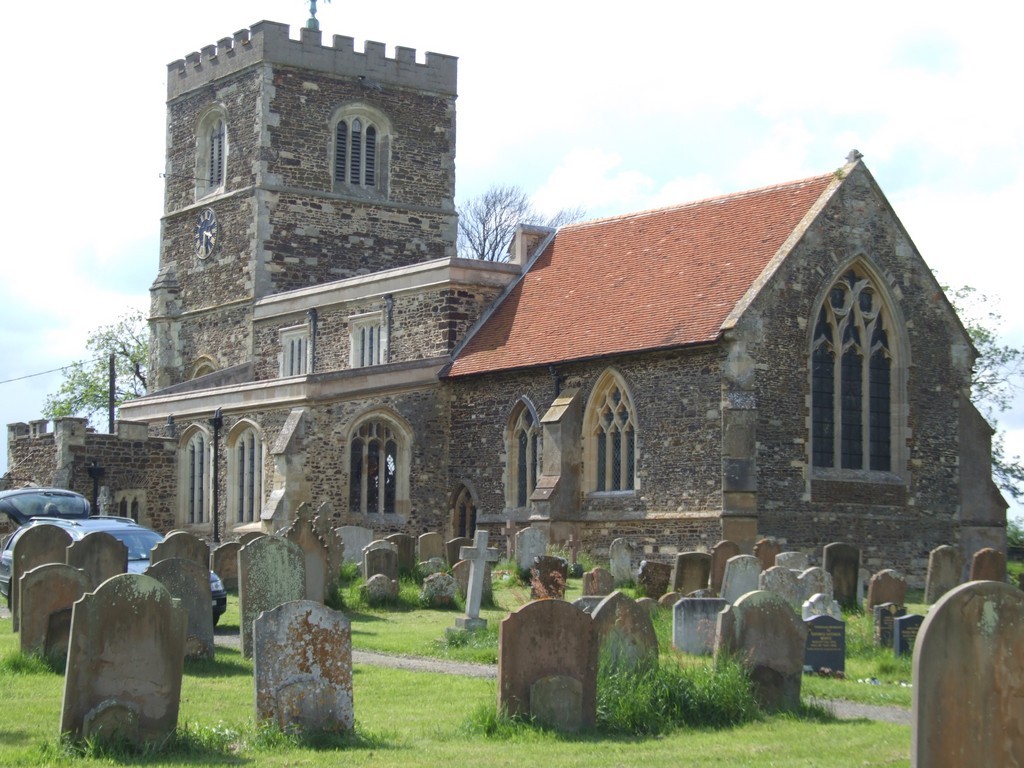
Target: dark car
[[137, 538], [24, 504]]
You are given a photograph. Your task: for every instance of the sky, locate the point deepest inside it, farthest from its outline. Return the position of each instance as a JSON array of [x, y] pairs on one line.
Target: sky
[[609, 107]]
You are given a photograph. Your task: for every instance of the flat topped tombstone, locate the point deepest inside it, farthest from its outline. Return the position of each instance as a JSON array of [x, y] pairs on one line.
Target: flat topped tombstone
[[620, 561], [766, 550], [842, 562], [886, 586], [430, 545], [271, 571], [302, 532], [189, 582], [302, 666], [692, 572], [224, 562], [884, 616], [548, 576], [742, 575], [694, 623], [100, 555], [184, 545], [904, 633], [125, 662], [380, 557], [530, 543], [355, 538], [653, 578], [825, 648], [39, 545], [598, 581], [478, 556], [46, 590], [783, 582], [405, 545], [625, 633], [720, 554], [945, 564], [988, 565], [795, 561], [452, 547], [970, 714]]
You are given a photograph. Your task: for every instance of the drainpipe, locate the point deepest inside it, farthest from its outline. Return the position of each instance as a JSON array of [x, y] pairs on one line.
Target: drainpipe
[[312, 339], [389, 304]]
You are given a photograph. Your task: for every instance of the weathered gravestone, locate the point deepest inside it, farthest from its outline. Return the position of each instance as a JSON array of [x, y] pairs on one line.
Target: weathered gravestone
[[323, 524], [302, 664], [224, 562], [842, 562], [184, 545], [452, 547], [884, 616], [945, 564], [125, 661], [968, 696], [39, 545], [766, 550], [795, 561], [271, 571], [48, 590], [625, 634], [669, 599], [620, 561], [742, 575], [886, 586], [988, 565], [479, 556], [598, 581], [783, 582], [189, 582], [100, 555], [461, 573], [249, 536], [314, 552], [825, 647], [820, 605], [405, 546], [379, 589], [653, 578], [530, 543], [588, 603], [548, 575], [904, 633], [763, 634], [355, 538], [430, 545], [438, 591], [720, 554], [380, 557], [432, 566], [694, 624], [815, 581], [691, 572], [547, 665]]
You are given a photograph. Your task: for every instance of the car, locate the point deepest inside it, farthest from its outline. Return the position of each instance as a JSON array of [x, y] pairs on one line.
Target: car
[[24, 504], [138, 538]]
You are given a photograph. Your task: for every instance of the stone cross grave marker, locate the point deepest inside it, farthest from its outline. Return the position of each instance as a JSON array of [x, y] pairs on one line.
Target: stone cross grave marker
[[478, 555], [509, 532], [39, 545]]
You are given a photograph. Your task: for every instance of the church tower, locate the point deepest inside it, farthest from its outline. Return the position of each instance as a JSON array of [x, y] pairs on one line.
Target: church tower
[[291, 164]]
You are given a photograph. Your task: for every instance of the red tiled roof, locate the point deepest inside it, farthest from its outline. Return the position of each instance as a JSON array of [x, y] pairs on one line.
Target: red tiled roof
[[649, 280]]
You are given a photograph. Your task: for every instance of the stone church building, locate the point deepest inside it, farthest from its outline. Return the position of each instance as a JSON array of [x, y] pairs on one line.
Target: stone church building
[[779, 362]]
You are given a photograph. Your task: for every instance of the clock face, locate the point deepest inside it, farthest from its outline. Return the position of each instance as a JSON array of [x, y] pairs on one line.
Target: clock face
[[204, 238]]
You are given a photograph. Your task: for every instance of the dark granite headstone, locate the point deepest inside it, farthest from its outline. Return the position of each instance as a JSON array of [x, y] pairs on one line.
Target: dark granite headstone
[[825, 647], [842, 562], [904, 633], [548, 576], [653, 578], [884, 615]]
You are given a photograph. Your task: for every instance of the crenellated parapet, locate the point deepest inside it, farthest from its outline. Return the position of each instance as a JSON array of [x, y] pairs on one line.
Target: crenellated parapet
[[270, 42]]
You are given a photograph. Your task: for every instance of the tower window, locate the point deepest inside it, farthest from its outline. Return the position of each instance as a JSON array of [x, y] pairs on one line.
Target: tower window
[[361, 136]]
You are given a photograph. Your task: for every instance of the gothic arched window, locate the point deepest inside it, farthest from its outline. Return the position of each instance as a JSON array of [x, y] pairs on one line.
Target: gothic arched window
[[211, 152], [360, 149], [245, 475], [193, 460], [523, 451], [610, 437], [378, 468]]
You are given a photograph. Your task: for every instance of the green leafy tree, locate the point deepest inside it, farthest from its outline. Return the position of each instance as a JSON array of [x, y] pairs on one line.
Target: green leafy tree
[[84, 391], [998, 378]]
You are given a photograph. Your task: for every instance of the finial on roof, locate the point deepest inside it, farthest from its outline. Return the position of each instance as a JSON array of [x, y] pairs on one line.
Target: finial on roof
[[313, 23], [854, 156]]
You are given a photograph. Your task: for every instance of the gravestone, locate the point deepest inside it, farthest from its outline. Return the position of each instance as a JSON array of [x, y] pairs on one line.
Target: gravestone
[[379, 589], [530, 543], [224, 562], [970, 714], [825, 647], [314, 552], [742, 575], [39, 545], [625, 634], [405, 545], [479, 556], [380, 557], [598, 581], [761, 631], [508, 530], [302, 665], [783, 582], [438, 591], [691, 572], [355, 538], [884, 615], [271, 571], [46, 590], [125, 662], [988, 565], [430, 545], [694, 624], [184, 545], [323, 524], [653, 578], [100, 555], [820, 605], [815, 581], [886, 586], [766, 550], [904, 633], [432, 566], [556, 702], [945, 564], [249, 536], [460, 572], [842, 562], [588, 603], [720, 554], [548, 638], [548, 576], [669, 599], [189, 582], [795, 561], [452, 547], [620, 557]]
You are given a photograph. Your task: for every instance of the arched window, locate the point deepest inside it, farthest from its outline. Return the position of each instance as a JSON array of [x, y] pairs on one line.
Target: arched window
[[852, 378], [378, 468], [464, 522], [193, 460], [610, 437], [211, 152], [360, 149], [523, 450], [245, 474]]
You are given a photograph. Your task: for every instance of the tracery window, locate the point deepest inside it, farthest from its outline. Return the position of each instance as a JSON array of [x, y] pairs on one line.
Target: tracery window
[[610, 437], [245, 475], [523, 451], [465, 514], [194, 457], [378, 468], [360, 149]]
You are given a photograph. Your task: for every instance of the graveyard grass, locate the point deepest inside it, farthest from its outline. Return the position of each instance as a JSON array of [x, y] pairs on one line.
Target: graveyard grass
[[423, 718]]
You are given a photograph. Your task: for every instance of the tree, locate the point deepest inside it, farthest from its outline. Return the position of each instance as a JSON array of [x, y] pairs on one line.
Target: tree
[[487, 223], [998, 377], [84, 391]]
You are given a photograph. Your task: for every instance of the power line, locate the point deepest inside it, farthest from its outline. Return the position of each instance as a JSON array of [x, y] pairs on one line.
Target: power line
[[52, 370]]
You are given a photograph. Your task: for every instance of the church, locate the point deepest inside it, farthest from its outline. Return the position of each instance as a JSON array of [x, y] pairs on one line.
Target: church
[[779, 362]]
